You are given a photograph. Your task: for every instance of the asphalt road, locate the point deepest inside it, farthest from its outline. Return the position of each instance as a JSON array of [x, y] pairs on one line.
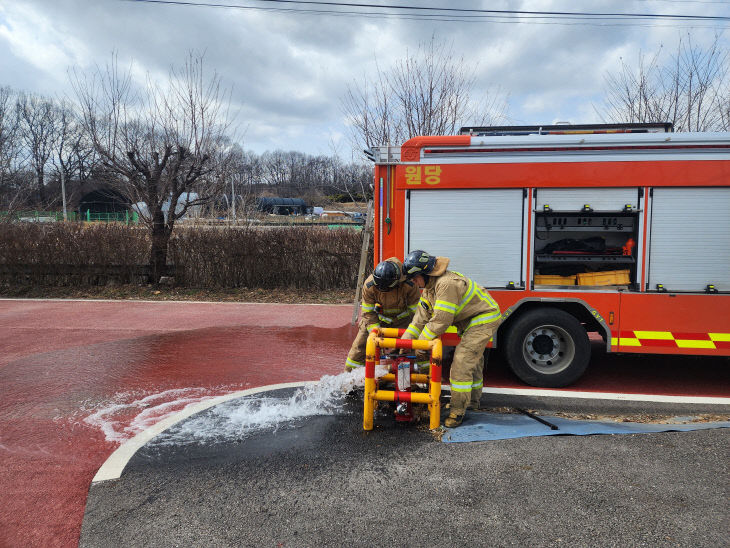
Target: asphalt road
[[325, 482]]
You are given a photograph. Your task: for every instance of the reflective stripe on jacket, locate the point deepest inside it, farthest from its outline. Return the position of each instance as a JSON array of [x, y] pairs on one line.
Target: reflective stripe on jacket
[[451, 299], [396, 304]]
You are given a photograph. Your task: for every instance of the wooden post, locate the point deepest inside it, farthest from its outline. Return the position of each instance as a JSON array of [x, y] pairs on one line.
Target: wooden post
[[366, 231]]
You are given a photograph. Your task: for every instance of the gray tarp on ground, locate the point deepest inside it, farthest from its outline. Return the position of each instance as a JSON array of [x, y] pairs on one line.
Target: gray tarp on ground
[[482, 426]]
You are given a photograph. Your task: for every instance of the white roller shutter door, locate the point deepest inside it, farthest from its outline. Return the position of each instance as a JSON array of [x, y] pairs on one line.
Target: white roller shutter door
[[479, 230], [574, 199], [690, 239]]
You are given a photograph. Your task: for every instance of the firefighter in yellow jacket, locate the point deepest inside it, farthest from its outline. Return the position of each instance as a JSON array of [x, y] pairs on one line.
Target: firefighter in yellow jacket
[[388, 300], [450, 298]]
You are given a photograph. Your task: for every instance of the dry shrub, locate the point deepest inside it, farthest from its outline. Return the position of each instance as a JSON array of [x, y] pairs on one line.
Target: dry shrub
[[72, 244], [266, 257], [71, 253], [202, 257]]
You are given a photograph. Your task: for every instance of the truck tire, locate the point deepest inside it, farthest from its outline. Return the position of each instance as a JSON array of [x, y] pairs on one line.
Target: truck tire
[[547, 347]]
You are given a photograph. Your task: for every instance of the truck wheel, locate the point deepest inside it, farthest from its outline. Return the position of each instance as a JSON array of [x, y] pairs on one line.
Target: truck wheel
[[547, 347]]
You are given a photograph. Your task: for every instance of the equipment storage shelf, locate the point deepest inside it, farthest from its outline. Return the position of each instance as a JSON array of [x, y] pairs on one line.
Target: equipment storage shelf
[[598, 246], [584, 259]]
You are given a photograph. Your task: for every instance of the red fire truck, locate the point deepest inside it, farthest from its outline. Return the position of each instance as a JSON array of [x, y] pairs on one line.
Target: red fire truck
[[620, 230]]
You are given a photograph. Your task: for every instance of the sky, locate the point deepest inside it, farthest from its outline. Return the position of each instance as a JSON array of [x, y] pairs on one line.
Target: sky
[[288, 71]]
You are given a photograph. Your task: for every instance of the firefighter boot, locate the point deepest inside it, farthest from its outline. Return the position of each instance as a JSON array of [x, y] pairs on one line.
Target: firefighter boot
[[453, 420], [457, 408]]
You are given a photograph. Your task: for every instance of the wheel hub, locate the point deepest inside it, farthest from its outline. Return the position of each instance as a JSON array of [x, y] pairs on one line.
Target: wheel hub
[[543, 344], [549, 348]]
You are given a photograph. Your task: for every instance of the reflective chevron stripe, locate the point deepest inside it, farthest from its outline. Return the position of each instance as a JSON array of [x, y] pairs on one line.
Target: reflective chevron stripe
[[669, 339]]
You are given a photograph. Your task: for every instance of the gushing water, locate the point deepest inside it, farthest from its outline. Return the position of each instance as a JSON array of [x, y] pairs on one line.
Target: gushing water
[[128, 414], [240, 418], [235, 419]]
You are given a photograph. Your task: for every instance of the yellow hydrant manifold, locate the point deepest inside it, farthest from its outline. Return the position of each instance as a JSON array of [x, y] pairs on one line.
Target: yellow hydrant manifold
[[388, 338]]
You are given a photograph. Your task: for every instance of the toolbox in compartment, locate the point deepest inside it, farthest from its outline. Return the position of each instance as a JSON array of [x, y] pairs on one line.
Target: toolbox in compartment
[[609, 277], [547, 279]]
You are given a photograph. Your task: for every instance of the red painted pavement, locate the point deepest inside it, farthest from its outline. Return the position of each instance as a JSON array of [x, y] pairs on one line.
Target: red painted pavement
[[61, 360], [58, 356]]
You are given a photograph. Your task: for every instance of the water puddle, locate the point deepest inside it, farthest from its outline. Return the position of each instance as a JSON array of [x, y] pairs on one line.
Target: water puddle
[[129, 414]]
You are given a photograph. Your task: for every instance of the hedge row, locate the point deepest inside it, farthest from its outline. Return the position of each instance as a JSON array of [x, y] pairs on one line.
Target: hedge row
[[201, 257]]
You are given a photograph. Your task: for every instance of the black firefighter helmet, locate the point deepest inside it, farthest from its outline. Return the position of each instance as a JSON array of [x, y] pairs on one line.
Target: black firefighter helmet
[[418, 262], [386, 276]]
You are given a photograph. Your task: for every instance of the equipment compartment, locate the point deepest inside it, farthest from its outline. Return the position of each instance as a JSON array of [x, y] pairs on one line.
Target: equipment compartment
[[591, 246]]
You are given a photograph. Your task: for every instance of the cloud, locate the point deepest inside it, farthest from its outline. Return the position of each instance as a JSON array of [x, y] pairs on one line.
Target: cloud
[[288, 71], [33, 41]]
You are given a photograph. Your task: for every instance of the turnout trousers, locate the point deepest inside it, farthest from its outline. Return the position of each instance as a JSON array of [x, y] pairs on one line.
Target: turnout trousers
[[356, 357], [467, 368]]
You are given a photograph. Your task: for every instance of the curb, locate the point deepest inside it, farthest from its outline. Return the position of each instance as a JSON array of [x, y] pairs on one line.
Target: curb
[[116, 462]]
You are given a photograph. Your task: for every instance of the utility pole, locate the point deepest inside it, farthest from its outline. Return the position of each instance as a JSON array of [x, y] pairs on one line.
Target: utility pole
[[233, 200], [63, 192]]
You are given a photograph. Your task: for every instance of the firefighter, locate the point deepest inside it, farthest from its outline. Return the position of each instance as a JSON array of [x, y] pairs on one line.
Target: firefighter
[[450, 298], [389, 299]]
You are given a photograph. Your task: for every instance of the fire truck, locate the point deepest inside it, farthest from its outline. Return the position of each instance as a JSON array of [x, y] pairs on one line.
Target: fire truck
[[617, 230]]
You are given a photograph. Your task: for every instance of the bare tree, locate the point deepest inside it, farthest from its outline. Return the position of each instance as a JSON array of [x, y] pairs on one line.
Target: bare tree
[[292, 174], [68, 148], [9, 149], [8, 130], [430, 92], [352, 179], [691, 90], [38, 131], [277, 169], [244, 174], [166, 143]]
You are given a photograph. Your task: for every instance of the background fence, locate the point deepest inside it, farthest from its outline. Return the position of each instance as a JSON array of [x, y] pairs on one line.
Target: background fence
[[125, 217]]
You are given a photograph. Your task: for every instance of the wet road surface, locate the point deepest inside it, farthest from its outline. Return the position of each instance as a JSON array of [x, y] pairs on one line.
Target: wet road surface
[[79, 377], [325, 482]]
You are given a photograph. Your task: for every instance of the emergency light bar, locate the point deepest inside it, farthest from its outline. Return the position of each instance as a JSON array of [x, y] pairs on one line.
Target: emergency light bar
[[567, 129]]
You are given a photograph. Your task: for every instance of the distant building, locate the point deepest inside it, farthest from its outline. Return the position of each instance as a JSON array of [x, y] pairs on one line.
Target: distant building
[[193, 211], [100, 199], [283, 206]]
